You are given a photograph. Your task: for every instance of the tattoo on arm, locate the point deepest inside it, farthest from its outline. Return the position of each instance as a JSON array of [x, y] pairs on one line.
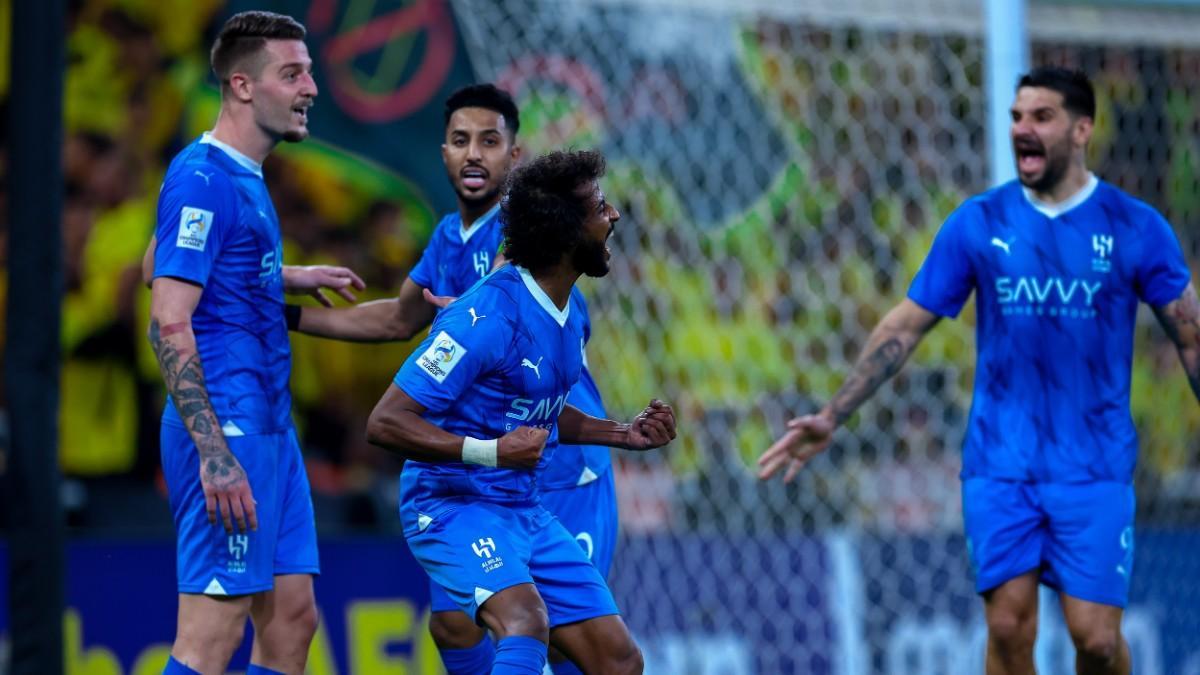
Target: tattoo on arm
[[180, 366], [873, 368], [1181, 320]]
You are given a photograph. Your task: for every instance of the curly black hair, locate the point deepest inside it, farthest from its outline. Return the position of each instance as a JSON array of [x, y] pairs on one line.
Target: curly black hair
[[1079, 98], [543, 211]]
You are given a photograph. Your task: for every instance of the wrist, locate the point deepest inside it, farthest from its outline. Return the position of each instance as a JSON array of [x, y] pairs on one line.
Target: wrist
[[479, 452]]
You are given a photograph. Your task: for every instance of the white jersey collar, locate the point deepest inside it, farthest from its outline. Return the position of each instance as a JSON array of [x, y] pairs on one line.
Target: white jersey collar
[[1056, 210], [559, 315], [247, 163], [467, 231]]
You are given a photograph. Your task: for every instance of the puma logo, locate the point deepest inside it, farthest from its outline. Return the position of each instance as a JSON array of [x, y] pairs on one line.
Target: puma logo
[[1000, 243], [476, 317], [205, 176], [526, 363]]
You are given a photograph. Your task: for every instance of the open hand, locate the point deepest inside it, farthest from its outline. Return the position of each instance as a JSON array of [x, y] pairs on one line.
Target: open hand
[[311, 279], [806, 437], [439, 301]]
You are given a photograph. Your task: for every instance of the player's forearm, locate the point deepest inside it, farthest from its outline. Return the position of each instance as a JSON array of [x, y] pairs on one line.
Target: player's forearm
[[578, 428], [408, 434], [376, 321], [888, 347], [1181, 320], [179, 361]]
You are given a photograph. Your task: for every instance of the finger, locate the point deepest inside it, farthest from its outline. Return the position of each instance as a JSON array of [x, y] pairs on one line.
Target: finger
[[768, 465], [226, 512], [667, 419], [779, 447], [316, 293], [239, 515], [251, 508], [344, 291], [210, 505], [793, 468], [355, 280]]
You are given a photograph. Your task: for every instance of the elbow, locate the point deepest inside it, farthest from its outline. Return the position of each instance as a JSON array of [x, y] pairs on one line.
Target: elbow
[[376, 431]]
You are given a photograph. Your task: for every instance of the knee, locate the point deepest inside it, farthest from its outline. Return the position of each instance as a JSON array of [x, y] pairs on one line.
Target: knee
[[454, 630], [1098, 645], [1012, 629], [526, 620], [295, 623], [304, 620]]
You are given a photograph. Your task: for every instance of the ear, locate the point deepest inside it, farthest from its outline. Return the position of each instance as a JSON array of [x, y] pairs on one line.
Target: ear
[[241, 86], [1082, 132], [515, 154], [445, 156]]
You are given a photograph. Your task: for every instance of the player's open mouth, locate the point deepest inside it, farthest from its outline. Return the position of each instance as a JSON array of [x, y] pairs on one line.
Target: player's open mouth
[[300, 112], [1031, 157], [474, 178]]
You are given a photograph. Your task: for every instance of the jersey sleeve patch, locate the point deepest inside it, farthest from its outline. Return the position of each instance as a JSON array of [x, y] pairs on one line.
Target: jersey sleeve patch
[[194, 227], [442, 357]]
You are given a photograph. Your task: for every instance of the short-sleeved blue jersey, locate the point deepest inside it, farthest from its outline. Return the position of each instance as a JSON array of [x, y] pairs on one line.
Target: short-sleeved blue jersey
[[580, 464], [456, 258], [1056, 290], [217, 228], [500, 357]]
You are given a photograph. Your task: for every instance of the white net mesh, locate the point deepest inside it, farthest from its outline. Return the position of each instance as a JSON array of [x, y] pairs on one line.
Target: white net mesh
[[782, 168]]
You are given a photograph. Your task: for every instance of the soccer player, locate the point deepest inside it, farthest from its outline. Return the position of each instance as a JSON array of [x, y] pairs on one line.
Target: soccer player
[[218, 328], [472, 410], [1058, 261], [480, 148]]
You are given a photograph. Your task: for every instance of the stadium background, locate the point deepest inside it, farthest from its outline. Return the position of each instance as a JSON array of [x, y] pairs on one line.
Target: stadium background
[[781, 168]]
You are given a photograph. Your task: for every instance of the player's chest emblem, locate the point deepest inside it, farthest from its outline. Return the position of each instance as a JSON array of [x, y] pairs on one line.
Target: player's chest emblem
[[1102, 249]]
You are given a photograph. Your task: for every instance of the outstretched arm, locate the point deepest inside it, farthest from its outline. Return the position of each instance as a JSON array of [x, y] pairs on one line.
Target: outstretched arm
[[226, 488], [888, 347], [654, 427], [398, 318], [1181, 319]]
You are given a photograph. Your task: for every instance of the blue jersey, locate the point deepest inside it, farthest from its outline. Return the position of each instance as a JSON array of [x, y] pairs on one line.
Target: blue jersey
[[456, 258], [580, 464], [502, 356], [217, 228], [1056, 294]]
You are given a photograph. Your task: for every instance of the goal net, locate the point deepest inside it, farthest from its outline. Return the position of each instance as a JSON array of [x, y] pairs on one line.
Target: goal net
[[782, 168]]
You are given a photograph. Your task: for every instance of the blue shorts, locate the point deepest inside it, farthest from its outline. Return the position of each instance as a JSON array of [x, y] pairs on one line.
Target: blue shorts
[[1079, 535], [589, 512], [213, 562], [478, 549]]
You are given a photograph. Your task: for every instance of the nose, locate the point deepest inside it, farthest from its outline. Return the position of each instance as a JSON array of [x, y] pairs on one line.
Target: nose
[[309, 87], [613, 214], [475, 150]]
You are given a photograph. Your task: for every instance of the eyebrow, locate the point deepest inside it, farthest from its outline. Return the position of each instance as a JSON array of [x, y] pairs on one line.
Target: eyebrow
[[296, 64]]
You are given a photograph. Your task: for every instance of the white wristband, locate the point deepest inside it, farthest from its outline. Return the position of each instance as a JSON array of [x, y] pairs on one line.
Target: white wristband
[[479, 452]]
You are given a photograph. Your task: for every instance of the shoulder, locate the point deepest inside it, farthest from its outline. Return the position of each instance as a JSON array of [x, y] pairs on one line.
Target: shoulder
[[194, 173], [1127, 209]]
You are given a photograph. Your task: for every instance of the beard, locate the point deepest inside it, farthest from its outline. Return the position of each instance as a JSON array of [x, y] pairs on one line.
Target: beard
[[590, 259], [475, 200], [295, 135], [1058, 160]]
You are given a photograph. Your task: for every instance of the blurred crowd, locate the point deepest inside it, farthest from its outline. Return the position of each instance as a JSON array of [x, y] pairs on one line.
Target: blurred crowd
[[737, 333]]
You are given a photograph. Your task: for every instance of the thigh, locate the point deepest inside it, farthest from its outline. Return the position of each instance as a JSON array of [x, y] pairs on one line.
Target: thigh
[[210, 560], [1089, 553], [474, 551], [1005, 530], [589, 513], [595, 642], [568, 582], [296, 543]]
